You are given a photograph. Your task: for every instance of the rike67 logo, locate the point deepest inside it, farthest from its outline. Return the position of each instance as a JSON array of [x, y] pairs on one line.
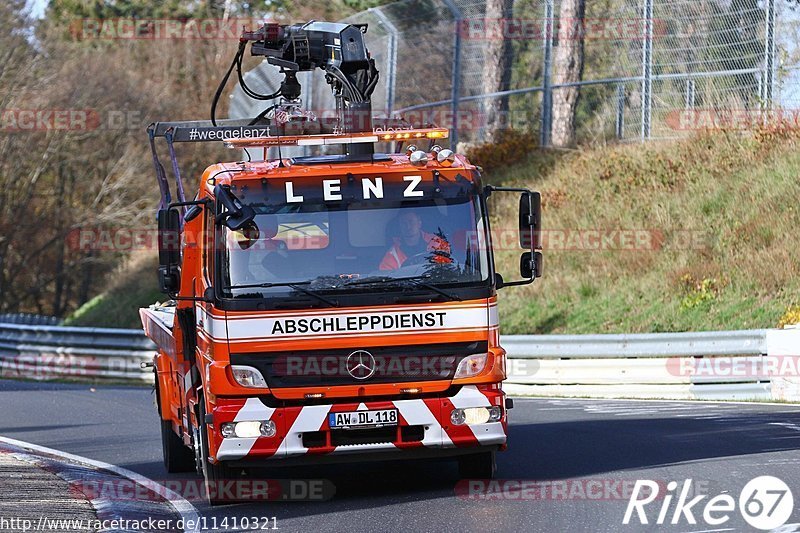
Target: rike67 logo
[[765, 503]]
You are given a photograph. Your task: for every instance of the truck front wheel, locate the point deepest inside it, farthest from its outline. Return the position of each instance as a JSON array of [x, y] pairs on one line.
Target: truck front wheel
[[177, 457], [477, 465]]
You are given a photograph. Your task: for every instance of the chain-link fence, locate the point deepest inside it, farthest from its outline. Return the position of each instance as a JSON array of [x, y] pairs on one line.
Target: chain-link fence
[[651, 68]]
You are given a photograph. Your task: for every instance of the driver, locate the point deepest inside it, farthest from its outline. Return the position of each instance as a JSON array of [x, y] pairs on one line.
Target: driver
[[413, 242]]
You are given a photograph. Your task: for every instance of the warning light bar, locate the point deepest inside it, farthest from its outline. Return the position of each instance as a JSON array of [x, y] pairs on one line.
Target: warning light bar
[[433, 133], [345, 138]]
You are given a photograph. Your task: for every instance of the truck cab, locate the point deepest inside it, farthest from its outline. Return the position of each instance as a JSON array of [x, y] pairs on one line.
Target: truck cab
[[352, 316]]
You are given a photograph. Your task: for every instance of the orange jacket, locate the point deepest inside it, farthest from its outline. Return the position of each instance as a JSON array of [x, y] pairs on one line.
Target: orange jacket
[[395, 257]]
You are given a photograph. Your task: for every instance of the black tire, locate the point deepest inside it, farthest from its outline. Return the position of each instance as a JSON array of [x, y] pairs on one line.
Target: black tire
[[477, 465], [216, 474], [177, 456]]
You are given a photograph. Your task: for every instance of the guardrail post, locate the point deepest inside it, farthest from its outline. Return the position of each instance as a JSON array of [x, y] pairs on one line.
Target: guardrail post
[[647, 68], [547, 82], [456, 77]]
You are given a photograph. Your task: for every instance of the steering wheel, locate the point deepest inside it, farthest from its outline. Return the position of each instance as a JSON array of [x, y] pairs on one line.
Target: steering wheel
[[418, 259]]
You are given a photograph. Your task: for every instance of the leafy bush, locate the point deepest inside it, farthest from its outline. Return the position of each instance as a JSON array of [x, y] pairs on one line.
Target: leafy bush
[[791, 316], [700, 291], [513, 147]]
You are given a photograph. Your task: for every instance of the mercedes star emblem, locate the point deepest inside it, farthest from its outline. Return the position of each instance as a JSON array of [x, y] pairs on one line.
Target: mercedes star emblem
[[361, 364]]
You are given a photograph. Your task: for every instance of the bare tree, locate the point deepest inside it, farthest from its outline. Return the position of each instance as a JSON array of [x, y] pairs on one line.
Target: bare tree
[[497, 66], [568, 68], [91, 176]]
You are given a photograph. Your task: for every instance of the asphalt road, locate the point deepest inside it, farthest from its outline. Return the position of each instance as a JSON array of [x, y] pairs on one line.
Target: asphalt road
[[582, 453]]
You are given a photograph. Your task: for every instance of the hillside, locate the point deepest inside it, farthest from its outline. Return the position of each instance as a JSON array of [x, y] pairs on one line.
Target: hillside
[[133, 286], [699, 234], [718, 218]]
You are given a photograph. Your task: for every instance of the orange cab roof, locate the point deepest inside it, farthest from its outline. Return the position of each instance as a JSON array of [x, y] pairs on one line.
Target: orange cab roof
[[232, 172]]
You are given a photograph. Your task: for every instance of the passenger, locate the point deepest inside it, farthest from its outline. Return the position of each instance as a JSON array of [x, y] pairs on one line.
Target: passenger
[[257, 255]]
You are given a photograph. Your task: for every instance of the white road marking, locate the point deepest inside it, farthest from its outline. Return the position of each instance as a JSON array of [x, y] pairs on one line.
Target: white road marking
[[702, 403], [187, 511], [787, 425], [579, 408], [711, 530]]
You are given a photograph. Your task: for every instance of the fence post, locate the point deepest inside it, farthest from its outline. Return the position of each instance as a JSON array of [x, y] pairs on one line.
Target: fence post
[[620, 124], [456, 78], [547, 82], [391, 53], [689, 96], [769, 54], [647, 68]]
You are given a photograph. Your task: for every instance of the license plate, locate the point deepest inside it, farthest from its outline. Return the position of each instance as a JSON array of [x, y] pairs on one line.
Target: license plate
[[363, 419]]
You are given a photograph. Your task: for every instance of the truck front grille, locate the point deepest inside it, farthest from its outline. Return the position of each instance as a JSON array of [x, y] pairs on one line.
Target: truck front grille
[[395, 364]]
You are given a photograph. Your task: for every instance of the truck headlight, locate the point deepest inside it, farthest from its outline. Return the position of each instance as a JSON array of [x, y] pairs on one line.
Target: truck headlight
[[248, 430], [458, 417], [471, 366], [476, 415], [247, 376]]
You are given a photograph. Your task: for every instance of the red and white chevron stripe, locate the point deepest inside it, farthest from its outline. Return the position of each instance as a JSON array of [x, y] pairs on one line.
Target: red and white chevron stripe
[[292, 422]]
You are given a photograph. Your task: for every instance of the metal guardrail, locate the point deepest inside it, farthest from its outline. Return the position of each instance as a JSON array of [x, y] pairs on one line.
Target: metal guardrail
[[745, 342], [28, 318], [719, 365], [57, 352], [652, 365]]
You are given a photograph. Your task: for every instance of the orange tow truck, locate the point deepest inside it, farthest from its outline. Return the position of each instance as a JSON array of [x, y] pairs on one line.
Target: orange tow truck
[[328, 307]]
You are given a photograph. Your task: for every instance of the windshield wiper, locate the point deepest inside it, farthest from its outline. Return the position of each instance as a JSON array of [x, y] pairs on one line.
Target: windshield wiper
[[296, 285], [419, 281]]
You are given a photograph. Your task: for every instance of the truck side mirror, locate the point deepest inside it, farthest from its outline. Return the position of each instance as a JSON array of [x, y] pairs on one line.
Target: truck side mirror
[[169, 250], [530, 265], [192, 212], [530, 234], [236, 214], [530, 228], [530, 220]]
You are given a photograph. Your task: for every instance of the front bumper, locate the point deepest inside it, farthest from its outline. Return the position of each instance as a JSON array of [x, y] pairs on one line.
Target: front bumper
[[303, 431]]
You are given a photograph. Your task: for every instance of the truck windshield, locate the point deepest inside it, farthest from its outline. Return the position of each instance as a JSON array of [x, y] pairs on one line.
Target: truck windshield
[[436, 237]]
